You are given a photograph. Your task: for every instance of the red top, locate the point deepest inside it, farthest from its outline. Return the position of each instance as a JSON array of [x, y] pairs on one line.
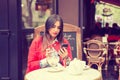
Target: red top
[[35, 53]]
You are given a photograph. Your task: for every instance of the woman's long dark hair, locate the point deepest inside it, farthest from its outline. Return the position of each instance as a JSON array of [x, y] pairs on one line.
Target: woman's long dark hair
[[49, 24]]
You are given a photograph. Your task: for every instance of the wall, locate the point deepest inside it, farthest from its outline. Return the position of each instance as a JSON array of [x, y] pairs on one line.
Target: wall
[[69, 11]]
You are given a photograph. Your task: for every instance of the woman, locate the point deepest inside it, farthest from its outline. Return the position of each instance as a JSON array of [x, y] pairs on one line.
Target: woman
[[40, 49]]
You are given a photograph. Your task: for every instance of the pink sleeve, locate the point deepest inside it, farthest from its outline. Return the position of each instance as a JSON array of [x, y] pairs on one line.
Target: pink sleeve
[[33, 59]]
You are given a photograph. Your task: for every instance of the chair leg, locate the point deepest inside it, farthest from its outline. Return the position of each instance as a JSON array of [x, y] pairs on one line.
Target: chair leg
[[89, 64], [100, 69], [106, 61], [100, 66]]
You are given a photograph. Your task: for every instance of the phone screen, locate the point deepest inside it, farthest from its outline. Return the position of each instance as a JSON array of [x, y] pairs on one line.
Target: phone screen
[[65, 45]]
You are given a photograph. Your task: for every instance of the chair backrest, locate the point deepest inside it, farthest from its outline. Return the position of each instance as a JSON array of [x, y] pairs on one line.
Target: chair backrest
[[97, 37], [95, 48], [72, 33]]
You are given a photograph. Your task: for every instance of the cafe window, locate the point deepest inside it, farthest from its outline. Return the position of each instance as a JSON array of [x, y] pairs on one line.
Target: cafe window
[[35, 12], [107, 13]]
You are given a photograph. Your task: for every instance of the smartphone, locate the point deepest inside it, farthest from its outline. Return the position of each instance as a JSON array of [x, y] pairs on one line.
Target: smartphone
[[65, 45]]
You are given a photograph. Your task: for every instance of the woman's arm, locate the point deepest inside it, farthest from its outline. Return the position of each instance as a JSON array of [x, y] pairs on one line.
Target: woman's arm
[[35, 55]]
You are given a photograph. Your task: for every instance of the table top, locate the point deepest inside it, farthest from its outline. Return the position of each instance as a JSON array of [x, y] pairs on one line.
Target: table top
[[63, 74]]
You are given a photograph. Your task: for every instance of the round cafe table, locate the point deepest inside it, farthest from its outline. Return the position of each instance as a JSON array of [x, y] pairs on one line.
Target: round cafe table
[[64, 74]]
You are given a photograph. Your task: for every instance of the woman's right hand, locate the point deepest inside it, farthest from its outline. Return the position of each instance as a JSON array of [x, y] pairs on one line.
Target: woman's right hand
[[63, 53]]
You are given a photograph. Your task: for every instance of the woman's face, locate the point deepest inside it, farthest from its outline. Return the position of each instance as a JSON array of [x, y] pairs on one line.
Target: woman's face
[[54, 30]]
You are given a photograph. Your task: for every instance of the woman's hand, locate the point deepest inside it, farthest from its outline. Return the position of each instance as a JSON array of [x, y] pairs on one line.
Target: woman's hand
[[48, 52], [63, 53]]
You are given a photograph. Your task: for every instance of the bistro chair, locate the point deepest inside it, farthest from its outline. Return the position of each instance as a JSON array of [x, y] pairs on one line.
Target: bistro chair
[[95, 51], [117, 56]]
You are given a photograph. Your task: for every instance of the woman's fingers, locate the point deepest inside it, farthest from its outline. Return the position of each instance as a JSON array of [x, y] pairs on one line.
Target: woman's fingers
[[63, 52]]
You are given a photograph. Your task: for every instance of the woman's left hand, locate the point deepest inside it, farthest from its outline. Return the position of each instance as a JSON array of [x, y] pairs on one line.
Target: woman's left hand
[[63, 53]]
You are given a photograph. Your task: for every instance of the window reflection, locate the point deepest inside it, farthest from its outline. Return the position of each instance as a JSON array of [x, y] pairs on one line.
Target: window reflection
[[35, 12], [107, 13]]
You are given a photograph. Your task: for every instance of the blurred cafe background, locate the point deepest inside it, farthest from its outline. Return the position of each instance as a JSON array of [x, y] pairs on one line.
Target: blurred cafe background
[[18, 18]]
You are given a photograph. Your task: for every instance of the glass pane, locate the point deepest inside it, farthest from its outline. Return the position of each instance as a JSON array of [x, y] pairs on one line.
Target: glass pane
[[35, 12], [107, 13]]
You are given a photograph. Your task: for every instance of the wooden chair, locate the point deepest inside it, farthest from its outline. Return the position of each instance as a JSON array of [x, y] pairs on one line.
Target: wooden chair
[[95, 52], [117, 56], [74, 39], [104, 40]]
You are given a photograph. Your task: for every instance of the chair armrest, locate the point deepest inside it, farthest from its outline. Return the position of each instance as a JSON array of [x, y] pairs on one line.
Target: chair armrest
[[94, 49], [84, 49]]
